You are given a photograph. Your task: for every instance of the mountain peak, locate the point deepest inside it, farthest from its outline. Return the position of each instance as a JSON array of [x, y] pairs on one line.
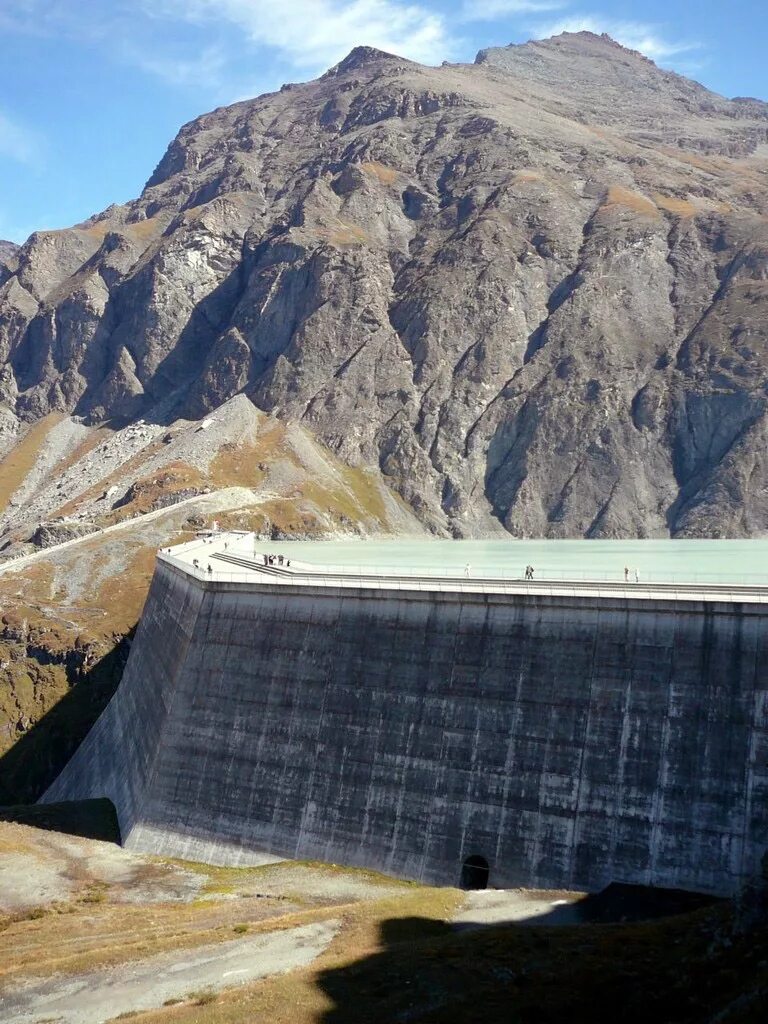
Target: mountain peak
[[593, 42], [363, 56], [607, 83], [584, 43], [598, 228]]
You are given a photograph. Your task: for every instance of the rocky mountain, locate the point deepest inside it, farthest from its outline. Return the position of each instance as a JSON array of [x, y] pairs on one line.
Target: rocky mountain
[[8, 262], [529, 294]]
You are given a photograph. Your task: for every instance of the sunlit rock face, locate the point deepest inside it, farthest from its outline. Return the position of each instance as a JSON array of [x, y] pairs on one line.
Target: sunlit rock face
[[531, 290]]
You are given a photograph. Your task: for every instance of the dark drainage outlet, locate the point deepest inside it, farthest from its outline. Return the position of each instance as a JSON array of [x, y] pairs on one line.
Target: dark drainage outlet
[[474, 873]]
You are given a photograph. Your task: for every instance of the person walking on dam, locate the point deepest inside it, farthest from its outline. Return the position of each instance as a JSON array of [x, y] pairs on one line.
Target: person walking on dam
[[626, 574], [467, 569]]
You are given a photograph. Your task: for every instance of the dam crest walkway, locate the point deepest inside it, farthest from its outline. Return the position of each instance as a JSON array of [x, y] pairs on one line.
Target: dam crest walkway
[[234, 557]]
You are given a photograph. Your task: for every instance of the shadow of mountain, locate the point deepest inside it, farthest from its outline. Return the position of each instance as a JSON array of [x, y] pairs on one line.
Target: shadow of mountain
[[39, 755]]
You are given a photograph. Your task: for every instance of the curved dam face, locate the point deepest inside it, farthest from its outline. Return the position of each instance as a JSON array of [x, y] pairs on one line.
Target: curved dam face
[[569, 741]]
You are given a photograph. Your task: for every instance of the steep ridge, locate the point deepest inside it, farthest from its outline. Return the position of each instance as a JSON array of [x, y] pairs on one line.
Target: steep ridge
[[531, 292]]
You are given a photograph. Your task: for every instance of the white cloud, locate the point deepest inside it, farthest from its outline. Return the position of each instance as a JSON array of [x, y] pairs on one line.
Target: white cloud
[[313, 34], [19, 142], [207, 68], [635, 35], [489, 10]]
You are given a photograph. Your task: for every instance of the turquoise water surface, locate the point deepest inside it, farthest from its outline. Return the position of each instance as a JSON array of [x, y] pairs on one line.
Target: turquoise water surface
[[714, 561]]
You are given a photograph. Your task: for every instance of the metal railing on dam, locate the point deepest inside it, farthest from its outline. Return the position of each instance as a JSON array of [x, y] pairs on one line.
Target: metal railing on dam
[[568, 735]]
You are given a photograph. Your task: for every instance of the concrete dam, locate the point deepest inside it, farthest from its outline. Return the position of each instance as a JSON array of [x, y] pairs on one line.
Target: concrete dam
[[561, 736]]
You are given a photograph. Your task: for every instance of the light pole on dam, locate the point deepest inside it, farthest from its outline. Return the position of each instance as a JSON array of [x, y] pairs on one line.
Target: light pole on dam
[[543, 735]]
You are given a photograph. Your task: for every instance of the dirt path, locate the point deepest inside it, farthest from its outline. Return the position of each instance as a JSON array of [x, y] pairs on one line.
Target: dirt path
[[38, 868], [97, 996], [20, 563], [519, 906]]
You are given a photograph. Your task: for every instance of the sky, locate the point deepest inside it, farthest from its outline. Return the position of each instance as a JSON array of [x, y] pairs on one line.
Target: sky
[[93, 91]]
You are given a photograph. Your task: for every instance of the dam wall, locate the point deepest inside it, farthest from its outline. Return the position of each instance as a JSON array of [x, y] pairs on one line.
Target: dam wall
[[118, 756], [568, 741]]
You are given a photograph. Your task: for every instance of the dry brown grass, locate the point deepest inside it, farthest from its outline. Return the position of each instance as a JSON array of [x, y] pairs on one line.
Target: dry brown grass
[[24, 592], [356, 499], [145, 230], [386, 175], [343, 234], [91, 930], [672, 204], [238, 466], [367, 491], [628, 200], [286, 516], [675, 969], [38, 595], [298, 998], [713, 165], [20, 460], [97, 230], [172, 478], [122, 596], [100, 934]]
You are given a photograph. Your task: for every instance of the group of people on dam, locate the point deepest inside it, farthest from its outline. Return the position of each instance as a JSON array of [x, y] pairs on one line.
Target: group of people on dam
[[276, 560]]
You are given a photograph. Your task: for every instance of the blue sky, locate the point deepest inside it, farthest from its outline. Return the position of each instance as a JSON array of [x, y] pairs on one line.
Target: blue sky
[[92, 91]]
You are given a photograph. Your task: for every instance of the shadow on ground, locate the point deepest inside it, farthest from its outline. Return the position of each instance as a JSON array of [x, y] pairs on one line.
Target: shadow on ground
[[694, 968], [39, 755], [92, 819]]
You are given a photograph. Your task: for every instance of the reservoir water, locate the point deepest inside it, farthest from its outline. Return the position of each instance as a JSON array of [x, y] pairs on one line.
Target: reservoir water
[[703, 561]]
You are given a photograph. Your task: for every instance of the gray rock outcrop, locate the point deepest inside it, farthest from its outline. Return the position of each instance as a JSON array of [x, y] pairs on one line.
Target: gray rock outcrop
[[531, 290], [49, 534]]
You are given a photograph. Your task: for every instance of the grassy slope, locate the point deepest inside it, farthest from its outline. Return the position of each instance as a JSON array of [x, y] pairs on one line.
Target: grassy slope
[[384, 969], [20, 460], [62, 619], [395, 958]]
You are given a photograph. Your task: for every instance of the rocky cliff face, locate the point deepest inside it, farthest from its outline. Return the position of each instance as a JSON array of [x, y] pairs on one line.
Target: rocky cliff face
[[532, 291]]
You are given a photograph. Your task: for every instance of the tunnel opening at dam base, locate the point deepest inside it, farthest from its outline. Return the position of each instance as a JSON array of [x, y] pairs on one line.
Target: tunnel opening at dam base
[[475, 873]]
